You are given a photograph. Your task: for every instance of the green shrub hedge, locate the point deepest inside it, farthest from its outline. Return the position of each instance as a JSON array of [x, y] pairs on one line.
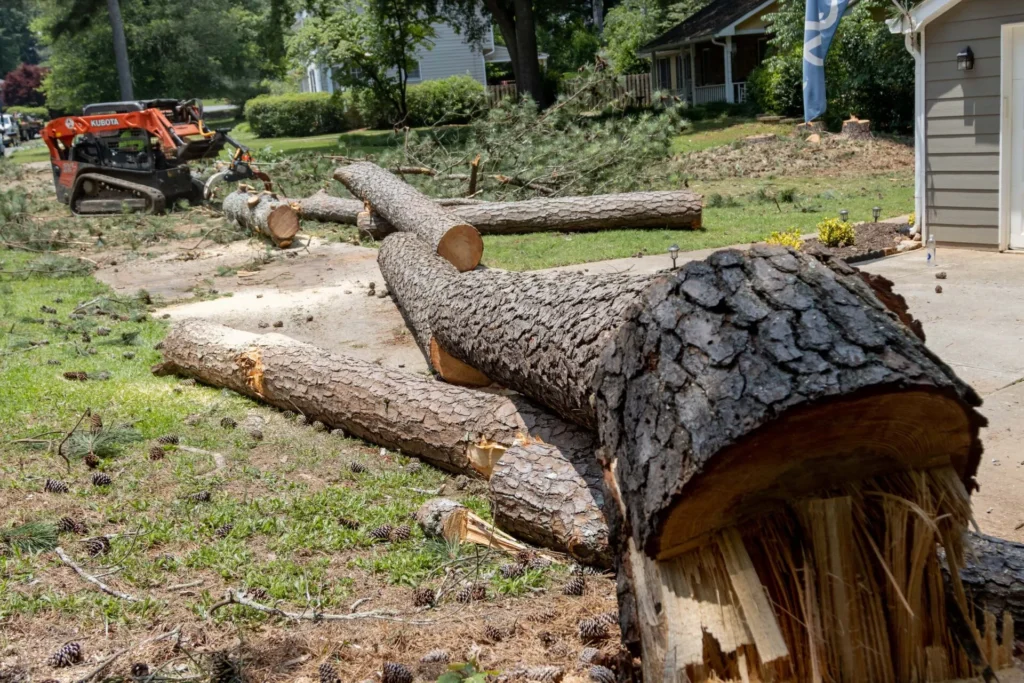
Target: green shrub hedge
[[40, 112], [311, 113], [457, 99]]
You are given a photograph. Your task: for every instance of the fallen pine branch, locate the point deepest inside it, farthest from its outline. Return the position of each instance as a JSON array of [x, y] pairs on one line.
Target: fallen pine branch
[[92, 579], [233, 597]]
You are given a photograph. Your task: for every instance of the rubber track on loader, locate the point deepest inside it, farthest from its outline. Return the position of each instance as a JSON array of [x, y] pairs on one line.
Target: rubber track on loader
[[113, 190]]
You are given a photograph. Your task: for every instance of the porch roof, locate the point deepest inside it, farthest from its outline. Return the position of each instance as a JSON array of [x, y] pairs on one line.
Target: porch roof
[[711, 22]]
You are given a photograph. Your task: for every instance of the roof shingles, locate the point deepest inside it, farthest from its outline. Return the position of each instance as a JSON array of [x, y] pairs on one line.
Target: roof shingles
[[705, 23]]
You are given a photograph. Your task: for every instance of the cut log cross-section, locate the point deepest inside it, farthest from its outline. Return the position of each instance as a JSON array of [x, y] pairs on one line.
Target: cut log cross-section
[[753, 411], [263, 214], [415, 277], [408, 210], [457, 429]]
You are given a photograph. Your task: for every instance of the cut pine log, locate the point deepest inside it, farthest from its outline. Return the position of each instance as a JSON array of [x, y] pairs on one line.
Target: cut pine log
[[263, 214], [457, 429], [408, 210], [680, 209], [414, 276], [755, 411]]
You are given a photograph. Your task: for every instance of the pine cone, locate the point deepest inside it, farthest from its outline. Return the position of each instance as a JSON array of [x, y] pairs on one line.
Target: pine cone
[[102, 331], [169, 440], [288, 415], [539, 562], [200, 497], [128, 355], [223, 669], [414, 467], [601, 674], [140, 670], [401, 533], [91, 460], [590, 655], [393, 672], [222, 532], [256, 434], [100, 545], [544, 674], [608, 618], [53, 361], [495, 634], [319, 426], [424, 596], [258, 594], [478, 592], [328, 674], [66, 525], [101, 479], [228, 423], [465, 595], [95, 423], [300, 419], [56, 486], [436, 656], [156, 453], [76, 376], [348, 523], [512, 571], [578, 569], [590, 630], [357, 468], [575, 586], [381, 533], [68, 655], [524, 557], [187, 382]]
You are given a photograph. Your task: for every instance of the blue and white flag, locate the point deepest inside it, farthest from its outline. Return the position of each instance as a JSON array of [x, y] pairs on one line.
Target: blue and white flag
[[822, 18]]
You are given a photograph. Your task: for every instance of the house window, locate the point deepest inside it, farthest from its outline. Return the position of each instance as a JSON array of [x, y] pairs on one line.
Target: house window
[[664, 74], [413, 72], [705, 66]]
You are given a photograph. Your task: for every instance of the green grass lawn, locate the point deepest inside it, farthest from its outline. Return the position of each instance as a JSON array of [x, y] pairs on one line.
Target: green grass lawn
[[30, 151], [741, 213], [723, 131]]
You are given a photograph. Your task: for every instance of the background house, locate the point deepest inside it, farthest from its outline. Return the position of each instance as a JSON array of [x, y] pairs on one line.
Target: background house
[[969, 128], [708, 57], [450, 55]]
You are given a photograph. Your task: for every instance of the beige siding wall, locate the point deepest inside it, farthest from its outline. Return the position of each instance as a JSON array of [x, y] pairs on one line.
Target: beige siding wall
[[962, 121]]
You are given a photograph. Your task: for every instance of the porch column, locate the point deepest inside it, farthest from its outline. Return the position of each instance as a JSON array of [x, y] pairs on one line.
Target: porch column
[[730, 94], [693, 74]]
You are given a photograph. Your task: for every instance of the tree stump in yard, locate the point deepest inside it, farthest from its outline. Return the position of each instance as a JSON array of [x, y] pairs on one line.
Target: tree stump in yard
[[856, 128]]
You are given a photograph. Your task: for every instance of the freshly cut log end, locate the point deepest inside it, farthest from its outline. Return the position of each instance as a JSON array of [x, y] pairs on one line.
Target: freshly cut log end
[[263, 214], [453, 370], [749, 380], [408, 210], [415, 278], [446, 519], [534, 487]]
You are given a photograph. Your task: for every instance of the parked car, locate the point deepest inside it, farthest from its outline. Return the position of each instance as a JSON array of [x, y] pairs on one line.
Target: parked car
[[30, 126], [9, 129]]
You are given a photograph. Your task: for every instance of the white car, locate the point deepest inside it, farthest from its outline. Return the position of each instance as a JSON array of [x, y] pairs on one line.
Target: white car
[[9, 129]]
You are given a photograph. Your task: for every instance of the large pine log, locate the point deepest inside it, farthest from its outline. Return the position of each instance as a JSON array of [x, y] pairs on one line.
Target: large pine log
[[634, 210], [994, 577], [734, 400], [263, 214], [460, 430], [408, 210], [414, 277]]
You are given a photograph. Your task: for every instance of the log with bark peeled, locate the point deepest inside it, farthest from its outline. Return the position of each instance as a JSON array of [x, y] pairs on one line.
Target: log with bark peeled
[[414, 275], [679, 209], [457, 429], [408, 210], [263, 214]]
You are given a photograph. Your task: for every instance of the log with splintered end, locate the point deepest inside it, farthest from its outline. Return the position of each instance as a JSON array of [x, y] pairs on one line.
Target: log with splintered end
[[263, 214], [414, 276], [408, 210]]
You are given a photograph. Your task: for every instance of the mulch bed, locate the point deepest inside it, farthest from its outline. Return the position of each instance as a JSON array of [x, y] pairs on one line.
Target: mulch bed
[[874, 240]]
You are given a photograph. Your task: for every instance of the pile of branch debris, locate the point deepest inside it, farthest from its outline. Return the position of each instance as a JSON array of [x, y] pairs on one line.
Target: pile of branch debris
[[759, 443]]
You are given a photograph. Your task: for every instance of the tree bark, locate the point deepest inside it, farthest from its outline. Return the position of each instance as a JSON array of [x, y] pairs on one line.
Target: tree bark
[[263, 214], [410, 211], [627, 211], [994, 577], [326, 208], [456, 429], [527, 54], [414, 277]]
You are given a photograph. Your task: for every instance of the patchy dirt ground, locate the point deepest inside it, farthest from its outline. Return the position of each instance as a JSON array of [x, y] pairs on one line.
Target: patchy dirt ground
[[793, 155]]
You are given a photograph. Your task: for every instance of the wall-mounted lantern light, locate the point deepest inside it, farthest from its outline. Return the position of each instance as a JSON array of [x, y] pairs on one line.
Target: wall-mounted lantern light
[[965, 60]]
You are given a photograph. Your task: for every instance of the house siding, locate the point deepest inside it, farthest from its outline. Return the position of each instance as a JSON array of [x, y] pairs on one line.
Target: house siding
[[450, 55], [962, 121]]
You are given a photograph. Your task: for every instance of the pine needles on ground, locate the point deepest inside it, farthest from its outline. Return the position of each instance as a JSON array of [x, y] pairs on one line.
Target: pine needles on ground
[[106, 443], [30, 537]]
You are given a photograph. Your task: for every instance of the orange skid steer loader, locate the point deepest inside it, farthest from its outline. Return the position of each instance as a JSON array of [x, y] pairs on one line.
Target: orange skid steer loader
[[134, 156]]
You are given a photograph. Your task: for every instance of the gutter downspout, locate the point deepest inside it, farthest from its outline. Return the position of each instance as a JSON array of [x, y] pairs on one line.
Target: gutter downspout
[[911, 39]]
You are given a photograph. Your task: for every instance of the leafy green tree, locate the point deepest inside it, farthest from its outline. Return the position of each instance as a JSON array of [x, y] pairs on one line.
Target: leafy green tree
[[17, 43], [633, 23], [176, 48], [371, 43]]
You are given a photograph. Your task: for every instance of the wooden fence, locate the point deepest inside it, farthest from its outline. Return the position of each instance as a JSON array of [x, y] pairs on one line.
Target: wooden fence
[[635, 87]]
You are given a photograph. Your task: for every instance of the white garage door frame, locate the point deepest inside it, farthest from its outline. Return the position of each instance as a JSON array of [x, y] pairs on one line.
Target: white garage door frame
[[1007, 133]]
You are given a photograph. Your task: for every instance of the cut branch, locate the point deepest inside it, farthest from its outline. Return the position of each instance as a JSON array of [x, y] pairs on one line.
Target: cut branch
[[263, 214], [92, 579], [233, 597]]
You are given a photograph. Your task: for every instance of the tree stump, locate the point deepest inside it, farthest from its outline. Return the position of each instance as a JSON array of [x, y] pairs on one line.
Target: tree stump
[[856, 128]]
